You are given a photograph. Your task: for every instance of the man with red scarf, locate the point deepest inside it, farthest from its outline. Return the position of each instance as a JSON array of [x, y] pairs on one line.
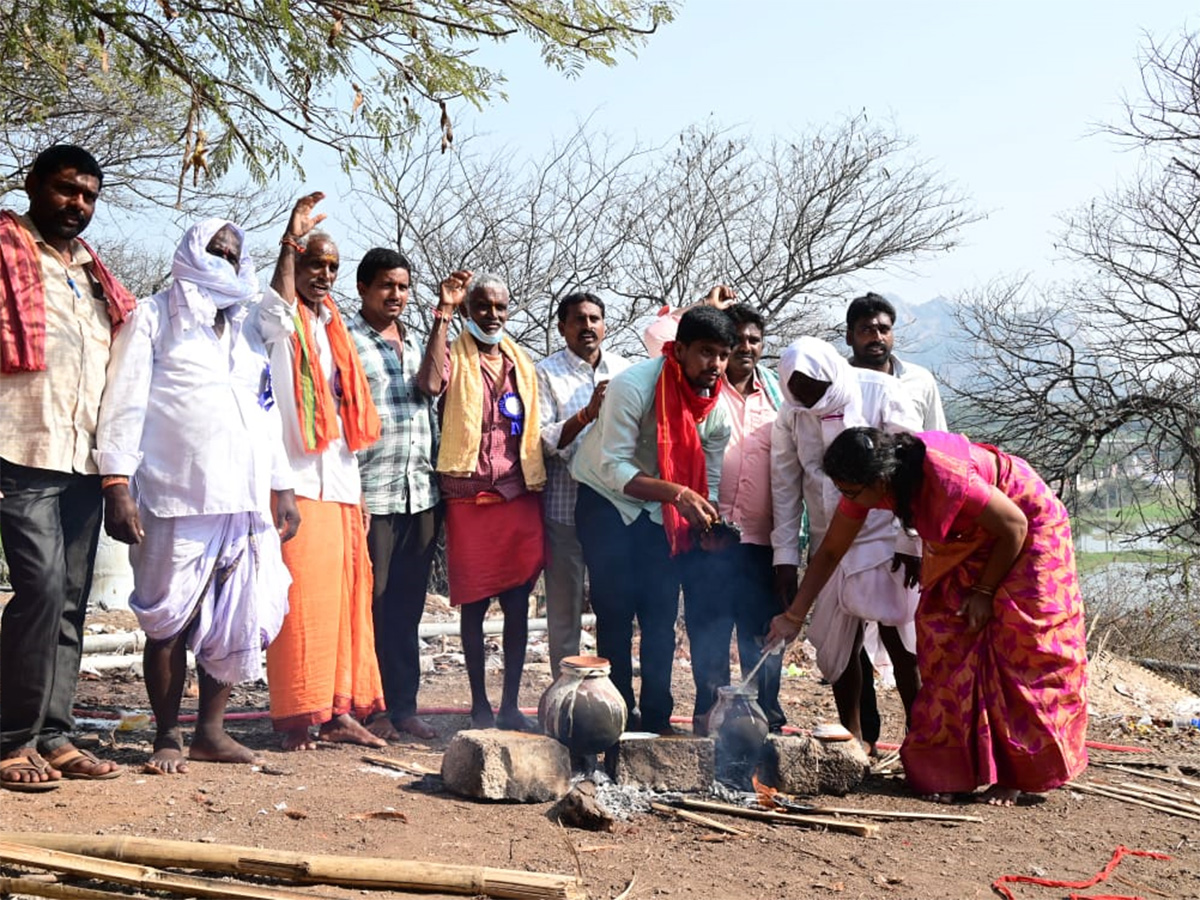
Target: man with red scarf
[[648, 473]]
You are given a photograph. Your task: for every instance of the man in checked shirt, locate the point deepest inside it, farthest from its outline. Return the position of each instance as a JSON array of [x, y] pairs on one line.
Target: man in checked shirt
[[571, 387], [399, 485]]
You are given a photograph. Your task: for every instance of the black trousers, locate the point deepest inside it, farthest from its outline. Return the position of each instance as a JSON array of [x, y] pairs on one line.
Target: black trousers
[[632, 576], [723, 590], [49, 525], [401, 547]]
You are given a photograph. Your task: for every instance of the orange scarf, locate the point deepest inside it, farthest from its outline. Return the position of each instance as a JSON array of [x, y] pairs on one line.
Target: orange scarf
[[315, 401], [23, 298], [678, 409]]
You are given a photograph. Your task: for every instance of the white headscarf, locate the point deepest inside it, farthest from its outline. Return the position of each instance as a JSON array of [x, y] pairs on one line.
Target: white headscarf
[[203, 283], [820, 361]]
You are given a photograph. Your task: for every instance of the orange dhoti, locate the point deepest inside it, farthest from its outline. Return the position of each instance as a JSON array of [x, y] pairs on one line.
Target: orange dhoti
[[323, 662]]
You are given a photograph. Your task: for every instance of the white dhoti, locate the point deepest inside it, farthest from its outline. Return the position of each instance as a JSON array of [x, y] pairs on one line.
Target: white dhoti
[[863, 589], [222, 572]]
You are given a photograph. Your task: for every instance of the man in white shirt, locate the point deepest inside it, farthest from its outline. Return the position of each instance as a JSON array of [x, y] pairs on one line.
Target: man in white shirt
[[571, 385], [189, 417], [870, 334]]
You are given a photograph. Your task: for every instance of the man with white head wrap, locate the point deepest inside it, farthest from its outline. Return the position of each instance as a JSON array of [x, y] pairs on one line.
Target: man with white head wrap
[[196, 479], [823, 396]]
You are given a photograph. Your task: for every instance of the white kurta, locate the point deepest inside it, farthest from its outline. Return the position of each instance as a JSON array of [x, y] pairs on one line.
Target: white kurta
[[863, 587]]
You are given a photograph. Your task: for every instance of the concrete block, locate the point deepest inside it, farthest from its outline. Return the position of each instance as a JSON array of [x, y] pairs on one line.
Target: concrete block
[[798, 764], [670, 763], [488, 764]]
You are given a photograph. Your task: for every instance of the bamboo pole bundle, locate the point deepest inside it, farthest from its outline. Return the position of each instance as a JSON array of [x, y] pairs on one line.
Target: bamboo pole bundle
[[862, 829], [138, 875], [1129, 797], [315, 868], [1179, 781]]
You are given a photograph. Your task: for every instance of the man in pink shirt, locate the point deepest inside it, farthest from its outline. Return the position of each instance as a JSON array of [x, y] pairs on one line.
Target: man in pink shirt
[[735, 586]]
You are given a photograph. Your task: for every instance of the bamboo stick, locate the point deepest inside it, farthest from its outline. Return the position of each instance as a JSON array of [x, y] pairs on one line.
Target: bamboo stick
[[698, 819], [1184, 800], [862, 829], [880, 813], [315, 868], [138, 875], [1178, 781], [398, 765], [1127, 798], [35, 888]]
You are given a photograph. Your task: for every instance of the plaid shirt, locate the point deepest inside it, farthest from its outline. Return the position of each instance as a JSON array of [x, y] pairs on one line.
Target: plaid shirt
[[565, 386], [397, 471]]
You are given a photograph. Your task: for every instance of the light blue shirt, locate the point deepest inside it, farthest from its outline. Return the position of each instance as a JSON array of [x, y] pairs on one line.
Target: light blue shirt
[[623, 442]]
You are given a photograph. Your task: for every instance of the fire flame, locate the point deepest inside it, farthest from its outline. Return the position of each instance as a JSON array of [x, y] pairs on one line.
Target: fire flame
[[766, 794]]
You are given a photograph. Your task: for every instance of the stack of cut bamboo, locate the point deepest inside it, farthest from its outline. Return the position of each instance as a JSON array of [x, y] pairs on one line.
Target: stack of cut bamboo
[[1173, 802], [129, 861]]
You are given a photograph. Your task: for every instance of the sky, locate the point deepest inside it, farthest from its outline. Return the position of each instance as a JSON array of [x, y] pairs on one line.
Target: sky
[[1002, 98]]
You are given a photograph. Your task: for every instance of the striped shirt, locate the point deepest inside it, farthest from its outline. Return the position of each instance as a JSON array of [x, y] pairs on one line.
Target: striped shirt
[[565, 386], [397, 470]]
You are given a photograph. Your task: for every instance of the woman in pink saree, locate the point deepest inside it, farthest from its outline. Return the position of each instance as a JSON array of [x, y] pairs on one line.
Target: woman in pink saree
[[1000, 635]]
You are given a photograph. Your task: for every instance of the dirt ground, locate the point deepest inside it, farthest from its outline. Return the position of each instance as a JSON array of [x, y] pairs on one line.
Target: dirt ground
[[322, 802]]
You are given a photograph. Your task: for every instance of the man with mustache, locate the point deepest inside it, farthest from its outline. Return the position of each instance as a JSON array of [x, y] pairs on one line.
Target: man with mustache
[[648, 476], [399, 484], [736, 586], [321, 668], [870, 334], [59, 309], [189, 416], [571, 385], [490, 473]]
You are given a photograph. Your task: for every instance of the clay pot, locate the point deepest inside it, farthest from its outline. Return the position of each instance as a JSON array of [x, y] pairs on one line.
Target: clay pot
[[583, 709], [738, 726]]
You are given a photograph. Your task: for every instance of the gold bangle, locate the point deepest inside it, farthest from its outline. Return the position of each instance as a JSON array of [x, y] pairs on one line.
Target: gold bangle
[[109, 480], [980, 589], [787, 614]]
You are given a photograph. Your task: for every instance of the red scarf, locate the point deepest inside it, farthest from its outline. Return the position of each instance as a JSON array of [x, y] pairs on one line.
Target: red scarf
[[678, 410], [315, 403], [23, 298]]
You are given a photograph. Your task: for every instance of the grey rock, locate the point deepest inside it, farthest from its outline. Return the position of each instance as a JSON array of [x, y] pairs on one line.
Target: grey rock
[[488, 764], [670, 763], [798, 764]]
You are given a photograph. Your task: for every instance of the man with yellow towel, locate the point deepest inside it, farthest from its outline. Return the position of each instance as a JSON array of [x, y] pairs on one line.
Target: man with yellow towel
[[490, 473]]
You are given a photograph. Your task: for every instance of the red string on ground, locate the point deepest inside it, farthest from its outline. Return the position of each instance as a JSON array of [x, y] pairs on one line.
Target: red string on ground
[[1102, 875]]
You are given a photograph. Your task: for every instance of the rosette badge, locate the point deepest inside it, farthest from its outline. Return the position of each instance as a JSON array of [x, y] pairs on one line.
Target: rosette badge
[[513, 409]]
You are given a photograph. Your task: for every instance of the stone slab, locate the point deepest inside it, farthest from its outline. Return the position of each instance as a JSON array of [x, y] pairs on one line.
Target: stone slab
[[488, 764], [799, 764], [670, 763]]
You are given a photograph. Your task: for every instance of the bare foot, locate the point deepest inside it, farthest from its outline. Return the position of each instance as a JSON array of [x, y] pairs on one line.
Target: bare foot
[[944, 798], [513, 719], [999, 796], [482, 717], [417, 727], [167, 758], [344, 730], [383, 728], [298, 739], [220, 747]]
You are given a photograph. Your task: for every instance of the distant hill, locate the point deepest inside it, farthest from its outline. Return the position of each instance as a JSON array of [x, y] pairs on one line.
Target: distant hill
[[927, 334]]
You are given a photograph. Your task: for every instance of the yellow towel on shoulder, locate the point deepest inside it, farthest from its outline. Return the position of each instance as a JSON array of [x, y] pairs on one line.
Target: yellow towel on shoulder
[[462, 420]]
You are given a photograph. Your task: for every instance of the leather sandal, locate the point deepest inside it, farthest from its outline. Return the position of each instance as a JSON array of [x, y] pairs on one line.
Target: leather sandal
[[27, 761], [80, 764]]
